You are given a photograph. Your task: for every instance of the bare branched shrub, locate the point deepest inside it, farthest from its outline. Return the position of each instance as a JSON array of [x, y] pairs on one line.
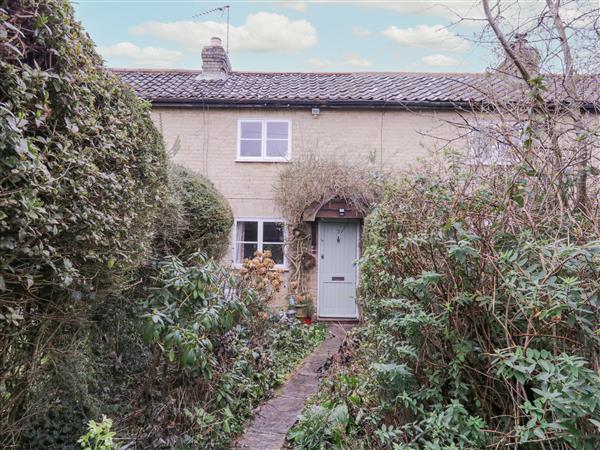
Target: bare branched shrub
[[315, 180], [540, 102]]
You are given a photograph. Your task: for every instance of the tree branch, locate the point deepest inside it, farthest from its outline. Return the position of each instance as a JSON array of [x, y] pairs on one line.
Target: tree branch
[[562, 36], [504, 42]]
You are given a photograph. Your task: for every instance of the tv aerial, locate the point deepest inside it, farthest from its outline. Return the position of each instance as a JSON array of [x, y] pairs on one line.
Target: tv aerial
[[224, 10]]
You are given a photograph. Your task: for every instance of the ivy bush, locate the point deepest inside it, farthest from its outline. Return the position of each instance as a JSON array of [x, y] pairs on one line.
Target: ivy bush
[[82, 176], [482, 316]]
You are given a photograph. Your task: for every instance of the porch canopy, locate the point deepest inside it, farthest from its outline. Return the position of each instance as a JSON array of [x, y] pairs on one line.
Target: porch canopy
[[334, 208]]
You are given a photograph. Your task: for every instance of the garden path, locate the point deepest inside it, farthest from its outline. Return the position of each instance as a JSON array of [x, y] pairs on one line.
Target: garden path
[[270, 425]]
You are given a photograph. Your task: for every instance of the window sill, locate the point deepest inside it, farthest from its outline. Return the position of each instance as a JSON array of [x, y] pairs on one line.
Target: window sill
[[281, 267], [490, 163], [262, 160]]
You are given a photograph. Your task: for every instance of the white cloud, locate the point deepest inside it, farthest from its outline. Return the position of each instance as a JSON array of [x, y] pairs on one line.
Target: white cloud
[[470, 12], [361, 32], [141, 56], [298, 6], [434, 37], [439, 61], [453, 10], [262, 32], [579, 15], [347, 61]]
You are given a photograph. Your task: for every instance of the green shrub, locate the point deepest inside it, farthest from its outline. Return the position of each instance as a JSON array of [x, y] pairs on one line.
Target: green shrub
[[323, 426], [481, 314], [218, 352], [198, 217], [64, 394], [99, 436], [82, 176]]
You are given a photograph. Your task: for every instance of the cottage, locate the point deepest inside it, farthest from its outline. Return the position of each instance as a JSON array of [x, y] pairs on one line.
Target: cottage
[[240, 128]]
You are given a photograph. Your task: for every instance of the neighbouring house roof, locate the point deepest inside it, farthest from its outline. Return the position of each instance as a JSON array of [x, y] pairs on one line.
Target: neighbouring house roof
[[359, 89]]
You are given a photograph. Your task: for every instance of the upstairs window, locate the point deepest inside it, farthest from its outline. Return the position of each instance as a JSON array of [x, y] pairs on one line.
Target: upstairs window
[[262, 235], [493, 144], [264, 140]]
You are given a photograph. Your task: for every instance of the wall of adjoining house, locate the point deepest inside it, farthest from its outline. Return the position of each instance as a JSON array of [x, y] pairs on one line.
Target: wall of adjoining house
[[208, 145]]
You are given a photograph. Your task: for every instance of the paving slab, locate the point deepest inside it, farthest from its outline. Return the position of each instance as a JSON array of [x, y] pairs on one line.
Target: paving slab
[[270, 425]]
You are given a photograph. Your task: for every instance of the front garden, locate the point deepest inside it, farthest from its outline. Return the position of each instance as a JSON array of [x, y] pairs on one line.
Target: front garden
[[119, 328]]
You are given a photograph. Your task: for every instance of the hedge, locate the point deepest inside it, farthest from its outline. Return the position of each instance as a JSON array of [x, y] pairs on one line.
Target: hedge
[[82, 177], [199, 218]]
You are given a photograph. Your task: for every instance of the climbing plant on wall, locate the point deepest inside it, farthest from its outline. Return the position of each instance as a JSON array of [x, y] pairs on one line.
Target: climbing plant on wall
[[310, 182]]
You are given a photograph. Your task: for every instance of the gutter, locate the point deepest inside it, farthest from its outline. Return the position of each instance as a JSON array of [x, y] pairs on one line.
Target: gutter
[[307, 104], [336, 104]]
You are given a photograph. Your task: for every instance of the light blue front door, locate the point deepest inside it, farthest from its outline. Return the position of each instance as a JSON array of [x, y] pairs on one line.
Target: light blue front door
[[338, 251]]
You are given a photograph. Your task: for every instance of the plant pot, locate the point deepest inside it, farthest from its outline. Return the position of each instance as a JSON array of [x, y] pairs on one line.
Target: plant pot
[[301, 311]]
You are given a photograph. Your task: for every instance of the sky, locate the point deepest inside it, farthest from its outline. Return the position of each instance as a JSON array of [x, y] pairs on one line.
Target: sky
[[284, 36]]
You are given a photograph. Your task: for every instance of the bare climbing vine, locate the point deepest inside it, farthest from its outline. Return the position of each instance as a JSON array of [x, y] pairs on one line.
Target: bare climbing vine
[[310, 182]]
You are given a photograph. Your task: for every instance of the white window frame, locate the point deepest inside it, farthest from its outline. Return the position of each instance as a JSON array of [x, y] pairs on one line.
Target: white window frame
[[260, 243], [263, 147], [477, 156]]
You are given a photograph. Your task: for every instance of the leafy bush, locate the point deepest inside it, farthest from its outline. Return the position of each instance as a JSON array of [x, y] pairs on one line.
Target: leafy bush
[[322, 427], [82, 171], [99, 436], [220, 349], [195, 305], [63, 395], [481, 317], [198, 217]]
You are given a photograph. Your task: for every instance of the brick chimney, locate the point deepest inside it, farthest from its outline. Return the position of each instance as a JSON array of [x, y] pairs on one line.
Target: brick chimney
[[215, 62], [529, 55]]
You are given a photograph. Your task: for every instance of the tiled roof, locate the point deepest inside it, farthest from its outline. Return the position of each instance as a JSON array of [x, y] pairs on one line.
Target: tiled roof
[[361, 88]]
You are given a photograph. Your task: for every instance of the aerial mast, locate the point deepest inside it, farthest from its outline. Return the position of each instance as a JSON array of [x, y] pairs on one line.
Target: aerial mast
[[224, 11]]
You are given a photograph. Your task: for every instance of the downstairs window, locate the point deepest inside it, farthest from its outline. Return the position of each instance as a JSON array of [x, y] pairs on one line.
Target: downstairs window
[[262, 235]]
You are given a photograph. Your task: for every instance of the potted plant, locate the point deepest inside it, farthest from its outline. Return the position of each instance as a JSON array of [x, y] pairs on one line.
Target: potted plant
[[304, 307], [301, 306]]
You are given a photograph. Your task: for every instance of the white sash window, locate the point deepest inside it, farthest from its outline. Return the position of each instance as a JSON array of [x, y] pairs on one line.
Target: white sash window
[[264, 140]]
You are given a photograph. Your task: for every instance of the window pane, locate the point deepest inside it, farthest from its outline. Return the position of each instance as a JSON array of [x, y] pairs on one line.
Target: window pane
[[251, 130], [244, 251], [277, 130], [490, 153], [277, 148], [276, 252], [247, 231], [493, 144], [249, 148], [273, 231]]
